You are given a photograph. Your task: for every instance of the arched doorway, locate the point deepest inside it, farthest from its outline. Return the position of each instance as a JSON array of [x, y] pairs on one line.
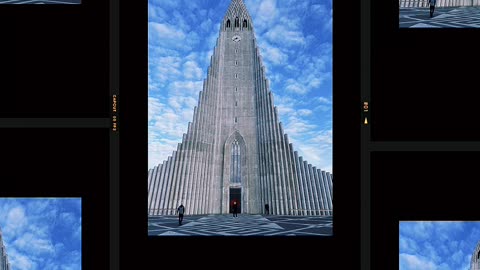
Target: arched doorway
[[235, 182]]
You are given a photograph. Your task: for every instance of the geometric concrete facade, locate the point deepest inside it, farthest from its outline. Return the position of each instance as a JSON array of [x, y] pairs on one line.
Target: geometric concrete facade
[[475, 262], [4, 264], [235, 148], [439, 3]]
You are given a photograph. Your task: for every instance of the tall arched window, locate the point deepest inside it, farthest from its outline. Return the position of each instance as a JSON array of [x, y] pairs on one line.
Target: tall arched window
[[235, 172], [228, 23], [237, 22], [244, 23]]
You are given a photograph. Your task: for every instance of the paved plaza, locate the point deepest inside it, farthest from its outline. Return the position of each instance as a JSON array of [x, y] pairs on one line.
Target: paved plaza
[[459, 17], [243, 225], [40, 2]]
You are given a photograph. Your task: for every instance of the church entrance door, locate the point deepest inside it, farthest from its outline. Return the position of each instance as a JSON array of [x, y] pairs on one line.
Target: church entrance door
[[235, 196]]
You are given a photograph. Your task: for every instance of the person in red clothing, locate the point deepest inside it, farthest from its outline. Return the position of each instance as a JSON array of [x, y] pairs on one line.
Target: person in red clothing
[[235, 207]]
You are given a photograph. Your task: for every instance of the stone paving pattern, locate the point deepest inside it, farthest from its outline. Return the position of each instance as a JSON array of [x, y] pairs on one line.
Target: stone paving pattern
[[461, 17], [243, 225]]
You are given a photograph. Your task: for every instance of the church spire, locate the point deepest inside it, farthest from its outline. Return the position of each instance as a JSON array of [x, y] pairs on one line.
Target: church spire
[[237, 17]]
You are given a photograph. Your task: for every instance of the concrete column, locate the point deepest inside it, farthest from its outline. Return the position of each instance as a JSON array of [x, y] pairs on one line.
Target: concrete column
[[324, 188], [182, 175], [194, 205], [261, 135], [150, 188], [175, 179], [156, 189], [296, 183], [318, 185], [286, 173], [314, 189], [303, 195], [201, 145], [330, 184], [305, 187], [188, 171], [291, 177], [167, 204], [161, 189], [278, 161], [327, 192], [309, 186], [273, 157]]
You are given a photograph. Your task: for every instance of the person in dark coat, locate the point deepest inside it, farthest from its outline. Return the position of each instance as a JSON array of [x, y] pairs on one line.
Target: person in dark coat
[[267, 209], [432, 6], [180, 211]]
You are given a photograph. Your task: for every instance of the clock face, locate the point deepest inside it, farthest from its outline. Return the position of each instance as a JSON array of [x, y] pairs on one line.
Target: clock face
[[236, 38]]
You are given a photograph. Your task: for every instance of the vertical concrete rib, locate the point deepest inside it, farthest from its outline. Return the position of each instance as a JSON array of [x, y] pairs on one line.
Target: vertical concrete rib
[[194, 205], [150, 188], [321, 195], [278, 162], [295, 183], [298, 166], [156, 189], [176, 180], [330, 189], [290, 178], [324, 191], [287, 171], [273, 155], [327, 191], [167, 204], [161, 190], [182, 175], [200, 149], [309, 186], [188, 171], [306, 190], [314, 190], [207, 139], [283, 166], [261, 133], [204, 150]]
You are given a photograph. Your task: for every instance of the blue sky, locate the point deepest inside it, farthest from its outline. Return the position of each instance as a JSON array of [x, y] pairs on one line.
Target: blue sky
[[42, 234], [295, 40], [437, 245]]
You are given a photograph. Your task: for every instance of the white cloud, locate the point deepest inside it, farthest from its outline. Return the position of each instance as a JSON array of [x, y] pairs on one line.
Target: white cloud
[[415, 262], [162, 32], [19, 261], [282, 36], [31, 244], [272, 54], [294, 87], [191, 70], [324, 100]]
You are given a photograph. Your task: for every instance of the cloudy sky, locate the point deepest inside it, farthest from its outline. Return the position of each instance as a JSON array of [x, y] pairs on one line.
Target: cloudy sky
[[437, 245], [295, 40], [42, 234]]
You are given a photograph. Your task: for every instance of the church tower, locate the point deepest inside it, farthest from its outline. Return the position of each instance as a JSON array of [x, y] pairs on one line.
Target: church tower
[[475, 262], [235, 148], [4, 264]]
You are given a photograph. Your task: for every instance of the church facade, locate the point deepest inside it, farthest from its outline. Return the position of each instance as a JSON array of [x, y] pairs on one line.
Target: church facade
[[235, 149], [4, 264]]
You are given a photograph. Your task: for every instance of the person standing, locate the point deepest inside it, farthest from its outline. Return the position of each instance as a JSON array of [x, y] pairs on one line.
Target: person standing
[[267, 209], [180, 211], [234, 208], [432, 6]]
